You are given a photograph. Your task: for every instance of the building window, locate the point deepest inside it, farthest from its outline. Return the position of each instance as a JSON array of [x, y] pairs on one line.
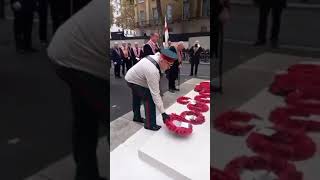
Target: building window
[[155, 15], [142, 17], [169, 12], [206, 8], [186, 9]]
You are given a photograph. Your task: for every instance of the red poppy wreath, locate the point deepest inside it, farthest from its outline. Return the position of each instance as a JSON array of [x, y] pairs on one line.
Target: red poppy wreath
[[199, 118], [174, 124], [282, 144], [229, 122], [283, 169], [183, 100], [287, 118], [198, 107], [216, 174], [203, 98], [203, 87], [306, 98]]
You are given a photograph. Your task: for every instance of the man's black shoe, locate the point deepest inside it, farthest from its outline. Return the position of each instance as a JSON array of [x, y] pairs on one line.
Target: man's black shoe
[[20, 51], [259, 43], [102, 178], [31, 50], [176, 89], [155, 128], [141, 120], [171, 90], [274, 44]]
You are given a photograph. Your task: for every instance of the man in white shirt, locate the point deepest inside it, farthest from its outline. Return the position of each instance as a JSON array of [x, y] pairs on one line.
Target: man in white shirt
[[78, 51], [143, 79]]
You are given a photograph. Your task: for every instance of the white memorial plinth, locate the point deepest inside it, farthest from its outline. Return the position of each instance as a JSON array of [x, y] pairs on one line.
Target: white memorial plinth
[[181, 158]]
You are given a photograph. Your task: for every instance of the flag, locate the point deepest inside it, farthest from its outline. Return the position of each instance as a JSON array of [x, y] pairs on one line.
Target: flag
[[166, 32]]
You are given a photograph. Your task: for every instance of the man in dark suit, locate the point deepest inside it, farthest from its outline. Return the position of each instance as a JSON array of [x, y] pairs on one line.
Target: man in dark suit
[[173, 72], [195, 52], [42, 9], [116, 58], [132, 56], [151, 47], [60, 12], [265, 6], [23, 20]]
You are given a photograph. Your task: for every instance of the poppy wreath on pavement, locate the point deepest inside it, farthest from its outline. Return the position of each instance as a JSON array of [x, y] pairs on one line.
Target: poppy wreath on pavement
[[217, 174], [203, 86], [282, 144], [198, 120], [202, 98], [198, 107], [179, 130], [229, 122], [283, 84], [306, 98], [304, 68], [183, 100], [282, 168], [287, 118]]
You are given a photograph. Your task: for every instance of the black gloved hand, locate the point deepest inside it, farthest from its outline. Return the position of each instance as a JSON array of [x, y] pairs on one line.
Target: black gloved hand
[[165, 117]]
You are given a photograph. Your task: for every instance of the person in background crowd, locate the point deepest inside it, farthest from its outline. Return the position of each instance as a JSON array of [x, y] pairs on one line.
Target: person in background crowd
[[78, 4], [43, 20], [144, 80], [173, 72], [265, 6], [23, 21], [117, 60], [195, 52], [87, 79], [221, 15], [60, 11], [137, 51], [125, 57], [151, 47], [132, 56]]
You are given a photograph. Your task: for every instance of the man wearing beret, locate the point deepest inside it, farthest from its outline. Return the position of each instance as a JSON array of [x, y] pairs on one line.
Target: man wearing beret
[[144, 81]]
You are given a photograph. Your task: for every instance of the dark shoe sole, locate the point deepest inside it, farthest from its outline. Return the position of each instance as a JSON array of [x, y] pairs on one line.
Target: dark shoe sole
[[156, 128], [142, 120]]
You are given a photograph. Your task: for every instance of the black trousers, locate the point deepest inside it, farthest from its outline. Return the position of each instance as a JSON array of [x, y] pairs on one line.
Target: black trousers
[[89, 108], [43, 19], [263, 22], [79, 4], [141, 94], [22, 26], [60, 12], [117, 70], [195, 66], [126, 65]]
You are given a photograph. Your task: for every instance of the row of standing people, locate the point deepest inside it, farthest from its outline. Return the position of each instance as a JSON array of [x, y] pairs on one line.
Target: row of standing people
[[24, 11], [126, 56]]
